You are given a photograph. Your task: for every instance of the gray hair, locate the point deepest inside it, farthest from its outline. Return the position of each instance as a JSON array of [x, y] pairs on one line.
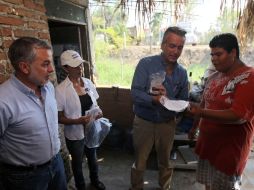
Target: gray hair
[[22, 49], [175, 30]]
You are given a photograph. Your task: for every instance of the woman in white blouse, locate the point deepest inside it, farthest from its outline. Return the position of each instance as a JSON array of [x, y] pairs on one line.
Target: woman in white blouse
[[75, 95]]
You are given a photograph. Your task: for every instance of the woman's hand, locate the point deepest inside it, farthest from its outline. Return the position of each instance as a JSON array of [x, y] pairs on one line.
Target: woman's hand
[[193, 133], [84, 119], [195, 110], [99, 115]]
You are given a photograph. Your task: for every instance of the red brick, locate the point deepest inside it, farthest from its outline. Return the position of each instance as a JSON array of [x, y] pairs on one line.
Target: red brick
[[2, 56], [14, 1], [4, 8], [11, 21], [38, 25], [36, 6], [29, 4], [7, 43], [25, 13], [20, 33], [2, 78], [28, 13], [41, 2], [9, 68], [6, 32], [43, 35], [40, 8], [43, 17], [2, 68]]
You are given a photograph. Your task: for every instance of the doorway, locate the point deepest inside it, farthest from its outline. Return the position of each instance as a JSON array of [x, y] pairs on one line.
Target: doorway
[[68, 36]]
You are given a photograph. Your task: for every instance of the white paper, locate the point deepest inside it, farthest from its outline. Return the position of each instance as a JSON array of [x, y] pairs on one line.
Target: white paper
[[174, 105]]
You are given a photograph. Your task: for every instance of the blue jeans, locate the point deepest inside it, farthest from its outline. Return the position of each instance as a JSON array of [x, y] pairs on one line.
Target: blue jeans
[[77, 149], [50, 177]]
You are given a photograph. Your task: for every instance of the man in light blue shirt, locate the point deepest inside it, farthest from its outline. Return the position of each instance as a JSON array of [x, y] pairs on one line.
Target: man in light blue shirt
[[29, 138], [157, 76]]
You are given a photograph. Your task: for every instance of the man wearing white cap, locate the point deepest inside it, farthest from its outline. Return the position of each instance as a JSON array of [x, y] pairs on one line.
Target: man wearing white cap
[[75, 95]]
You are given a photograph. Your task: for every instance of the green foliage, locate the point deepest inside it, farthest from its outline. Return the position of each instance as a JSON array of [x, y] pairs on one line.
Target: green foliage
[[197, 71], [98, 23], [112, 72], [228, 21], [155, 25], [111, 22], [102, 49], [207, 36], [113, 37]]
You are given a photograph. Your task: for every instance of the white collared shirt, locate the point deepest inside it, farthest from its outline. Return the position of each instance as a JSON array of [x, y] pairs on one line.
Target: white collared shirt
[[68, 101]]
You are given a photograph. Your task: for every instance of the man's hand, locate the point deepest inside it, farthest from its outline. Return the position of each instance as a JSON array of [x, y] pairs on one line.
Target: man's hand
[[159, 90], [156, 99]]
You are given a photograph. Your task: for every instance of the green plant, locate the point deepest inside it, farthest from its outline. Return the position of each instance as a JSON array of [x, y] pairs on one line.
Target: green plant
[[113, 72], [113, 37], [197, 71], [102, 48]]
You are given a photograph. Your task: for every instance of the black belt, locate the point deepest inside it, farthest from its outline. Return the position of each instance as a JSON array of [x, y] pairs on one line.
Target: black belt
[[28, 168]]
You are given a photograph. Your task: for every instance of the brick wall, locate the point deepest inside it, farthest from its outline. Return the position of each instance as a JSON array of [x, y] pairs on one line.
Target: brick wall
[[20, 18]]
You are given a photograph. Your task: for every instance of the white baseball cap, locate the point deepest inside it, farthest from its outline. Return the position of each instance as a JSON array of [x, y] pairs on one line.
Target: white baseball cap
[[71, 58]]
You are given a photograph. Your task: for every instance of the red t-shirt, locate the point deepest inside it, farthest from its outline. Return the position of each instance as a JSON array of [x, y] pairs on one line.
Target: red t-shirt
[[227, 145]]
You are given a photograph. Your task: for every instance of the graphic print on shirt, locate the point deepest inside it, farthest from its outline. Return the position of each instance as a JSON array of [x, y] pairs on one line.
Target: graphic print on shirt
[[221, 88], [230, 87]]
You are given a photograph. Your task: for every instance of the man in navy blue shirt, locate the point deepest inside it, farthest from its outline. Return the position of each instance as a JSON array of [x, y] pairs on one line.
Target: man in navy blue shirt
[[157, 76]]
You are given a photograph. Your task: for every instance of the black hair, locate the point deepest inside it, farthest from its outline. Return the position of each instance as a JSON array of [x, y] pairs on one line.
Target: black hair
[[226, 41]]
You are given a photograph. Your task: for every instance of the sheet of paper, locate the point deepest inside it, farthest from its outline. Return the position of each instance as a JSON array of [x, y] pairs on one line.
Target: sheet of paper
[[174, 105]]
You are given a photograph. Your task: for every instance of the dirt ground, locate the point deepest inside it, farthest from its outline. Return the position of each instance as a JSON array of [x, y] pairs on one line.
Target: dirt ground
[[197, 54], [115, 164], [115, 168]]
